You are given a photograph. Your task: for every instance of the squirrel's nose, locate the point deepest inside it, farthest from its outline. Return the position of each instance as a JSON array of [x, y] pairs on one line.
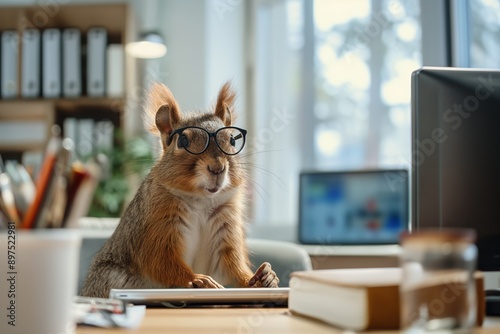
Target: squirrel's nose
[[216, 170]]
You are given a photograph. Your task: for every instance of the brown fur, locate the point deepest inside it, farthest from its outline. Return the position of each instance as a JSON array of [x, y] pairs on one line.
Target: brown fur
[[174, 218]]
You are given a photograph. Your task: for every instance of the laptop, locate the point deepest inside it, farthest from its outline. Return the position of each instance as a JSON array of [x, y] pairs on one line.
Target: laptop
[[363, 207], [177, 298]]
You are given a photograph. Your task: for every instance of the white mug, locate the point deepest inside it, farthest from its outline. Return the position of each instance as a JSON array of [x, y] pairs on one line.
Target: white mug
[[39, 277]]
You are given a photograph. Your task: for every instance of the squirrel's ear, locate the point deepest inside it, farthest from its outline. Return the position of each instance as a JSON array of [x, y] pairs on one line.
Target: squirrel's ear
[[161, 112], [166, 118], [225, 104]]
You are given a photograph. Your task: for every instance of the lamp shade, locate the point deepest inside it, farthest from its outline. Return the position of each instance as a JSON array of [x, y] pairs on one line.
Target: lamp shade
[[150, 45]]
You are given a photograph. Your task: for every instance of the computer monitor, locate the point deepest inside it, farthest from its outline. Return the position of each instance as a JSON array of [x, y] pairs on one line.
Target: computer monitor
[[353, 207], [456, 154]]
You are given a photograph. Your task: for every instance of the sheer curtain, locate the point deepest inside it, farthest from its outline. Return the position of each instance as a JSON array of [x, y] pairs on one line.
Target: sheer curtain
[[332, 91], [484, 30]]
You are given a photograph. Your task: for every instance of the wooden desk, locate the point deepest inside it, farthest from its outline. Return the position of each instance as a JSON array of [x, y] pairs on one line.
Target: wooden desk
[[238, 320]]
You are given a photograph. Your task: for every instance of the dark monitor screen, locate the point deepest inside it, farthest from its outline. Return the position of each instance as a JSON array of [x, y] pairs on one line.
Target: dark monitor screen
[[353, 207], [456, 154]]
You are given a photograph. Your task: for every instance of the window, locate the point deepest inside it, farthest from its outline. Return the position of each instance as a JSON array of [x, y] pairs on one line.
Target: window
[[332, 91], [365, 53], [484, 20]]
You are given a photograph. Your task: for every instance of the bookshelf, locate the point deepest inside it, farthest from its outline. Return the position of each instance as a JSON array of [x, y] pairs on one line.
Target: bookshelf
[[41, 113]]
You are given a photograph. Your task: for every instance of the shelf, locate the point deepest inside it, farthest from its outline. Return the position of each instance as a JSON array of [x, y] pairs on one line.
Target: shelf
[[37, 146], [84, 100], [37, 108], [26, 120], [114, 104], [25, 110], [81, 16]]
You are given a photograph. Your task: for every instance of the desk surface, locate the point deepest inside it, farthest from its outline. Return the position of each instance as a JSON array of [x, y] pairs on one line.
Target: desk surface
[[238, 320]]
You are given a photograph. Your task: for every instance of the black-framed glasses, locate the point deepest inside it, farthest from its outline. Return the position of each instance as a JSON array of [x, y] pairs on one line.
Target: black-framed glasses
[[230, 139]]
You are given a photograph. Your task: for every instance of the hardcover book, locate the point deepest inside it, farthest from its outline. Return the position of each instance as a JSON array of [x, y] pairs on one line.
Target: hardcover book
[[356, 299]]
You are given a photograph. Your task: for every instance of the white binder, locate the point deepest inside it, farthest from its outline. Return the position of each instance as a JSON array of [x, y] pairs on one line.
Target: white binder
[[115, 70], [70, 129], [72, 63], [85, 135], [96, 60], [30, 63], [51, 63], [103, 135], [8, 67]]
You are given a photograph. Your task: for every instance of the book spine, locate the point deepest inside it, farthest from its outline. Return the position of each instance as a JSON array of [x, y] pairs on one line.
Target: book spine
[[51, 63], [30, 64], [72, 63], [96, 61], [8, 64], [383, 315], [115, 70]]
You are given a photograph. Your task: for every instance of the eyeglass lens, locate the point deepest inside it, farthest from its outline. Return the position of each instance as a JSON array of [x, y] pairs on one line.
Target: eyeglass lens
[[230, 140], [195, 140]]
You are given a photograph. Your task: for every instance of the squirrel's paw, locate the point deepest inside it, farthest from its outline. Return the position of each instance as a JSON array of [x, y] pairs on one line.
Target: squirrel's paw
[[204, 281], [264, 277]]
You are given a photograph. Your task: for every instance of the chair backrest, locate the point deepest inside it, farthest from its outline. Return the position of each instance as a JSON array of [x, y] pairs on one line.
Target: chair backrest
[[284, 257]]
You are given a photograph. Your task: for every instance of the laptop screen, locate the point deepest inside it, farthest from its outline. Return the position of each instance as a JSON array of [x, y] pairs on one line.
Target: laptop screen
[[353, 207]]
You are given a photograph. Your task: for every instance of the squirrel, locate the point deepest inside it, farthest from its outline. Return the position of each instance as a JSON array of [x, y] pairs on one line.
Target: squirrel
[[184, 228]]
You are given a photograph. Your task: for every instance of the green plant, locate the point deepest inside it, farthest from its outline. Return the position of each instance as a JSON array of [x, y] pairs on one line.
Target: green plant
[[130, 160]]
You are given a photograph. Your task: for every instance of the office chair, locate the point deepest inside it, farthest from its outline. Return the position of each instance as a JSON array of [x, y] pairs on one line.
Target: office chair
[[285, 257]]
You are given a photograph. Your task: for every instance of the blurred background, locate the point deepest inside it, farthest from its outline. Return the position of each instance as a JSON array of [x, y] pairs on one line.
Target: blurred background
[[322, 84]]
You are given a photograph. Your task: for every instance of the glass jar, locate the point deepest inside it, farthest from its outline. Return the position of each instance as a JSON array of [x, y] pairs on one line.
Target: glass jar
[[438, 289]]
